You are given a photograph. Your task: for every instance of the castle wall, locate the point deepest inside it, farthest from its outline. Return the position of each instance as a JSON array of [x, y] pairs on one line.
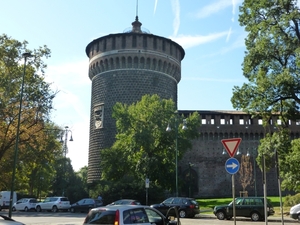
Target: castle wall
[[208, 158]]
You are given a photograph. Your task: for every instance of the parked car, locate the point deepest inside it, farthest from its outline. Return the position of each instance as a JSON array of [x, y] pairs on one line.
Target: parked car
[[252, 207], [126, 202], [25, 204], [295, 212], [85, 205], [53, 204], [126, 214], [5, 220], [186, 207]]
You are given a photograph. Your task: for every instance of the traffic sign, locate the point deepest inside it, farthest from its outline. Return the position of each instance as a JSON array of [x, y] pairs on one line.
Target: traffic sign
[[232, 165], [231, 145]]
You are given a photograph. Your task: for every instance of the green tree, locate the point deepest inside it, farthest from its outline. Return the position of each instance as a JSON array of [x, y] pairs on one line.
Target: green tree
[[143, 148], [272, 67], [36, 109]]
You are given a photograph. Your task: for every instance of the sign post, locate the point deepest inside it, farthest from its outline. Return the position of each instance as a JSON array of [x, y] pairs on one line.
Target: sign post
[[232, 165], [147, 182]]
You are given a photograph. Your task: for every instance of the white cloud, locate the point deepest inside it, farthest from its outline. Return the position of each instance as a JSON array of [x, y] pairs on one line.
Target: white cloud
[[188, 41], [213, 8], [72, 106], [176, 12], [228, 35], [155, 6]]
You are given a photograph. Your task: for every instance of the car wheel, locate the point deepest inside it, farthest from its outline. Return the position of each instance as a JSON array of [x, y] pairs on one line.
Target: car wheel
[[220, 215], [182, 213], [72, 210], [26, 209], [255, 216], [38, 208], [13, 208], [54, 208]]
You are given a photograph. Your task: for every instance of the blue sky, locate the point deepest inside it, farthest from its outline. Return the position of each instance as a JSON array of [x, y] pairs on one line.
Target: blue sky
[[208, 30]]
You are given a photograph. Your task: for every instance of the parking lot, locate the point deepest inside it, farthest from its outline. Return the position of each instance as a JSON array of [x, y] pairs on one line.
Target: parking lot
[[68, 218]]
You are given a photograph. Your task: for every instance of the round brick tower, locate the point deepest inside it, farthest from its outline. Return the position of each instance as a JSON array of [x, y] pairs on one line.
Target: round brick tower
[[123, 67]]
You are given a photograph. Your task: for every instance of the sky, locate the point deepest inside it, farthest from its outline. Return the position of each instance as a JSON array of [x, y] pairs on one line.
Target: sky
[[208, 30]]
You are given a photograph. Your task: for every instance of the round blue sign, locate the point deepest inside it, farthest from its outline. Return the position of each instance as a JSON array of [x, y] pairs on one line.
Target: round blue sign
[[232, 165]]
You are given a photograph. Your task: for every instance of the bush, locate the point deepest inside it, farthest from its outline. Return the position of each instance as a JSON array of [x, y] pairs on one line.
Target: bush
[[291, 200]]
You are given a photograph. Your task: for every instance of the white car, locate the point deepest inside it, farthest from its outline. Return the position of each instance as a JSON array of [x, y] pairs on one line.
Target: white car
[[25, 204], [5, 220], [53, 204], [295, 212], [127, 214]]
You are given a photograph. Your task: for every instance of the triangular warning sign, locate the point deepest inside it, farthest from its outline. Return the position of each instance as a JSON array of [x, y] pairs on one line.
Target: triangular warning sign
[[231, 145]]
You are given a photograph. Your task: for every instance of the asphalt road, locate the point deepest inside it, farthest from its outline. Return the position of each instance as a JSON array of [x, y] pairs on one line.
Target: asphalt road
[[67, 218]]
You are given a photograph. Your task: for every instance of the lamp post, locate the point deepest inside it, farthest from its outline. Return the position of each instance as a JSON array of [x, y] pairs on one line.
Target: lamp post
[[25, 55], [190, 178], [65, 150], [184, 127]]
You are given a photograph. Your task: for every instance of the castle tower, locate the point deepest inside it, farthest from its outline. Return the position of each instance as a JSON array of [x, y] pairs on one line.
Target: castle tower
[[123, 67]]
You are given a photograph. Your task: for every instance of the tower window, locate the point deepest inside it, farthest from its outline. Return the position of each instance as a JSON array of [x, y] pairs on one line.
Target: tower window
[[114, 43], [134, 41], [145, 41], [123, 41], [98, 116], [154, 43]]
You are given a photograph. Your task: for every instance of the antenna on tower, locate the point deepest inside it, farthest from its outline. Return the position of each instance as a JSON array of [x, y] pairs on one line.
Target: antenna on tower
[[137, 8]]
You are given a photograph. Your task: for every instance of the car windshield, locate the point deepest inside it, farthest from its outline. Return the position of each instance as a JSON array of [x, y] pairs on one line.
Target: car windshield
[[100, 217]]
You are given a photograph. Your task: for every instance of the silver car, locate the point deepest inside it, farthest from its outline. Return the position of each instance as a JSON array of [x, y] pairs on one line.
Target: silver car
[[127, 214], [25, 204], [53, 204]]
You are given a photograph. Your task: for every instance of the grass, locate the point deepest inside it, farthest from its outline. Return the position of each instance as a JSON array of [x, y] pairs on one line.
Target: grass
[[207, 205]]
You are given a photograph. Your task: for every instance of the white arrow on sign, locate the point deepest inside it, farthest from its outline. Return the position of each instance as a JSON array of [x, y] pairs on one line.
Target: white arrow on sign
[[233, 165]]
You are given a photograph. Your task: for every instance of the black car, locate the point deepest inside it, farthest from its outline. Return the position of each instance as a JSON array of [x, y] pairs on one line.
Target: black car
[[252, 207], [85, 205], [187, 207]]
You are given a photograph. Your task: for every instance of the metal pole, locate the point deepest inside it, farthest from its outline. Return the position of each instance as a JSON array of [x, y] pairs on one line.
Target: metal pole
[[254, 164], [233, 199], [176, 153], [25, 55], [279, 185], [65, 160], [189, 179], [265, 189]]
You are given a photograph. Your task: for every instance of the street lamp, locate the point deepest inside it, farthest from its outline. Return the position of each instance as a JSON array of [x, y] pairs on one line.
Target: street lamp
[[25, 55], [65, 150], [184, 127], [65, 147]]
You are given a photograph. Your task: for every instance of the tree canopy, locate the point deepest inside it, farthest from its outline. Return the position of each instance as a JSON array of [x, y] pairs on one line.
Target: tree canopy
[[36, 149], [271, 65], [143, 148]]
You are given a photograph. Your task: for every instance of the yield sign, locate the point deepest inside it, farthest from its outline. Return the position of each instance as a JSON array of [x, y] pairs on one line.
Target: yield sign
[[231, 145]]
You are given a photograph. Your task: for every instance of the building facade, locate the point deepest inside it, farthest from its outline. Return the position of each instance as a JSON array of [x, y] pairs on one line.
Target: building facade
[[123, 67], [205, 162]]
